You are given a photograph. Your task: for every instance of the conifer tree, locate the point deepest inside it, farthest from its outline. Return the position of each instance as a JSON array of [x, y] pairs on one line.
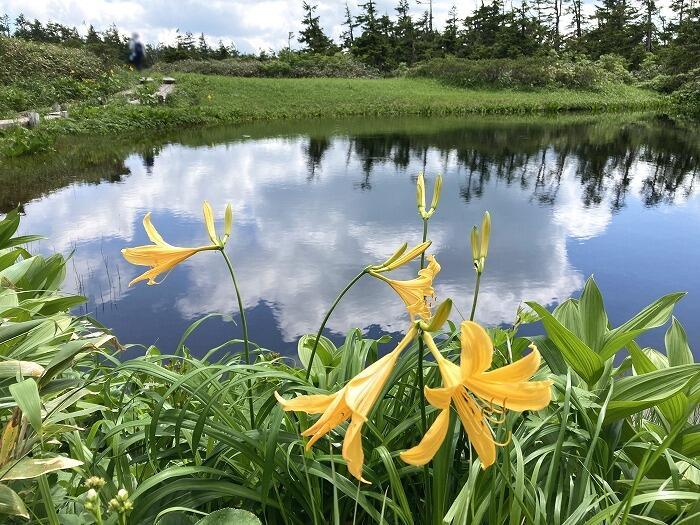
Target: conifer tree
[[5, 25], [312, 35], [348, 35]]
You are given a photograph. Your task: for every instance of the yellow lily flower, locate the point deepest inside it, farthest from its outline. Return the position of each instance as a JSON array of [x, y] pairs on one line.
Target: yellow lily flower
[[415, 291], [163, 257], [474, 392], [354, 401]]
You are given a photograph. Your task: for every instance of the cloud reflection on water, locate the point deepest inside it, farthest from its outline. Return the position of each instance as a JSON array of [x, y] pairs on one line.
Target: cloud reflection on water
[[303, 226]]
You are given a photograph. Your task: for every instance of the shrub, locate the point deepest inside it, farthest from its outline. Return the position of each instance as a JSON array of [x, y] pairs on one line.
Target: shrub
[[22, 59], [527, 72], [288, 65], [687, 96], [37, 75], [616, 67]]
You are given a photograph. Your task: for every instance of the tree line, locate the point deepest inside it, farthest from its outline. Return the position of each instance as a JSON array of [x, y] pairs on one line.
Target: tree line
[[409, 34], [495, 29]]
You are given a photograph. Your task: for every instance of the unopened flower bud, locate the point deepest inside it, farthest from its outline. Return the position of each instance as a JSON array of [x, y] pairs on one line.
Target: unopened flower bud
[[95, 482], [485, 235], [436, 194], [420, 193]]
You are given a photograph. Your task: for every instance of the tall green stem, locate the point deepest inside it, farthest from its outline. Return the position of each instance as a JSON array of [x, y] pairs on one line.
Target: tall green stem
[[328, 315], [244, 326], [45, 491], [421, 383], [425, 238], [476, 295]]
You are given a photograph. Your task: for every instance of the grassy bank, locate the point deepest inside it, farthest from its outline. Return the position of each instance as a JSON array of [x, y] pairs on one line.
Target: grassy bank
[[211, 100]]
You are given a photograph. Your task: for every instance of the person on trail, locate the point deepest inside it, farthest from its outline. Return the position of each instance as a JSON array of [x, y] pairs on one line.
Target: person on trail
[[137, 51]]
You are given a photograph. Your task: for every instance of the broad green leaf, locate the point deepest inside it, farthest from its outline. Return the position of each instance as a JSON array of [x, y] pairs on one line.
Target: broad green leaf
[[8, 227], [567, 313], [230, 517], [653, 316], [175, 518], [688, 443], [9, 331], [30, 468], [26, 395], [594, 320], [551, 354], [636, 393], [677, 348], [323, 358], [584, 361], [674, 408], [11, 503]]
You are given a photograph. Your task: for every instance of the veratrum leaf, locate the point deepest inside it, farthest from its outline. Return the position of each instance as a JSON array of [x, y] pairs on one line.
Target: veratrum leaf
[[230, 517], [29, 468], [636, 393], [11, 503], [674, 408], [323, 358], [26, 395], [594, 320], [652, 316], [584, 361], [677, 349]]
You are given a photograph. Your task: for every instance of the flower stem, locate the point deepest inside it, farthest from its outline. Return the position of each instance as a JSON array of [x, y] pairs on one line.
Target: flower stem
[[244, 326], [421, 385], [328, 315], [425, 238], [476, 295], [45, 491]]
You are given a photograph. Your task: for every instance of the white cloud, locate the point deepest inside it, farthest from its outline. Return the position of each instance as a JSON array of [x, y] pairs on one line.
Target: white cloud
[[252, 25]]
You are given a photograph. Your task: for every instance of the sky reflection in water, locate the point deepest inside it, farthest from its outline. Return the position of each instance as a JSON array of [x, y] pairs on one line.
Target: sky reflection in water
[[614, 198]]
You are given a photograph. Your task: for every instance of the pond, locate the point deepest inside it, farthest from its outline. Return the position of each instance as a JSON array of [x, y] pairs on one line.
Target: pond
[[314, 202]]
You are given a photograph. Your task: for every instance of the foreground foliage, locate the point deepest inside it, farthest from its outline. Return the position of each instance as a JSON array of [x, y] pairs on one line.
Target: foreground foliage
[[168, 437]]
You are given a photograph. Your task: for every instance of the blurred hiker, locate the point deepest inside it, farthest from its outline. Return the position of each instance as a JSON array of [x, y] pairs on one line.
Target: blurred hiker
[[136, 51]]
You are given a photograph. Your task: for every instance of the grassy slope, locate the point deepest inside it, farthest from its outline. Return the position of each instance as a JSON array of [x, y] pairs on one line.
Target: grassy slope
[[209, 100], [249, 99]]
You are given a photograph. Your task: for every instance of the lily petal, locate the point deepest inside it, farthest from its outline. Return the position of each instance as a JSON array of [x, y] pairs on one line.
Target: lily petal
[[152, 233], [527, 395], [311, 404], [336, 413], [430, 444], [352, 448], [408, 256], [209, 222], [439, 397], [475, 426], [477, 349], [521, 370]]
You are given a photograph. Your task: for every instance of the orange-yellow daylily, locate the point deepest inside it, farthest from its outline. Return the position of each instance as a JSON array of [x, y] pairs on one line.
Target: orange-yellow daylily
[[163, 257], [474, 392], [415, 292], [354, 401]]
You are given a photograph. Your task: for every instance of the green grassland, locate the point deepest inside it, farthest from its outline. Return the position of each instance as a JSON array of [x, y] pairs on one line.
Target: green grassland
[[204, 100], [201, 99]]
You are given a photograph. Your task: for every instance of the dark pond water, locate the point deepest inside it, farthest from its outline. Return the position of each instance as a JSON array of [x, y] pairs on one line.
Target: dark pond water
[[612, 196]]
